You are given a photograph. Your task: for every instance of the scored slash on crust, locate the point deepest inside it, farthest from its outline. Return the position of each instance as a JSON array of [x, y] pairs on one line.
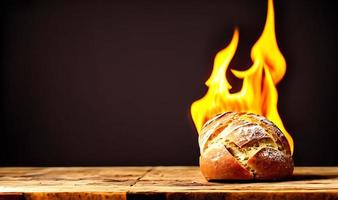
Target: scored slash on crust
[[243, 146]]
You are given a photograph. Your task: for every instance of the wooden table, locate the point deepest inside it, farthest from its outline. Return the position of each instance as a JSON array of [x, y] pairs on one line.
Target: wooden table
[[158, 183]]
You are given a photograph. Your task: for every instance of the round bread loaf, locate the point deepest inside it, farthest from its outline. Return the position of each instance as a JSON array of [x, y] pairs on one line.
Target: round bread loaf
[[243, 146]]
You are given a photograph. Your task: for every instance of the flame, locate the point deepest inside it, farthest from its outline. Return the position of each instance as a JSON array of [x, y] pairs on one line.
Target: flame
[[258, 93]]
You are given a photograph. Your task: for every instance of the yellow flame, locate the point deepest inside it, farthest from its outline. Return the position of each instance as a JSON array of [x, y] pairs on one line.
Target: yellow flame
[[258, 93]]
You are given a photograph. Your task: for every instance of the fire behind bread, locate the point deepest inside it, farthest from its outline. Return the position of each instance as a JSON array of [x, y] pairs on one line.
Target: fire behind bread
[[243, 146]]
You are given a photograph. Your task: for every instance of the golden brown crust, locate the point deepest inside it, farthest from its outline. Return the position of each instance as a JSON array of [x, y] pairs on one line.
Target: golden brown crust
[[271, 164], [218, 160], [242, 146]]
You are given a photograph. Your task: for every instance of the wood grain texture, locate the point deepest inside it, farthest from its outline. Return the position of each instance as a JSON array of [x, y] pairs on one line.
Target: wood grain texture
[[158, 183]]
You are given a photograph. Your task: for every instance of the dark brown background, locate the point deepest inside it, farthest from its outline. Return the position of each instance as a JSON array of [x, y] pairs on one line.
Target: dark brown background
[[111, 82]]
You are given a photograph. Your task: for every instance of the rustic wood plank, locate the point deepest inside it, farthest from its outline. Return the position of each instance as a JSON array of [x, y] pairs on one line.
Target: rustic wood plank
[[70, 182], [75, 195], [188, 183], [158, 183]]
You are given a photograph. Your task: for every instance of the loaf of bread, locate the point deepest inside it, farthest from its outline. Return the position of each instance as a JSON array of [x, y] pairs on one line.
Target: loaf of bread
[[243, 146]]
